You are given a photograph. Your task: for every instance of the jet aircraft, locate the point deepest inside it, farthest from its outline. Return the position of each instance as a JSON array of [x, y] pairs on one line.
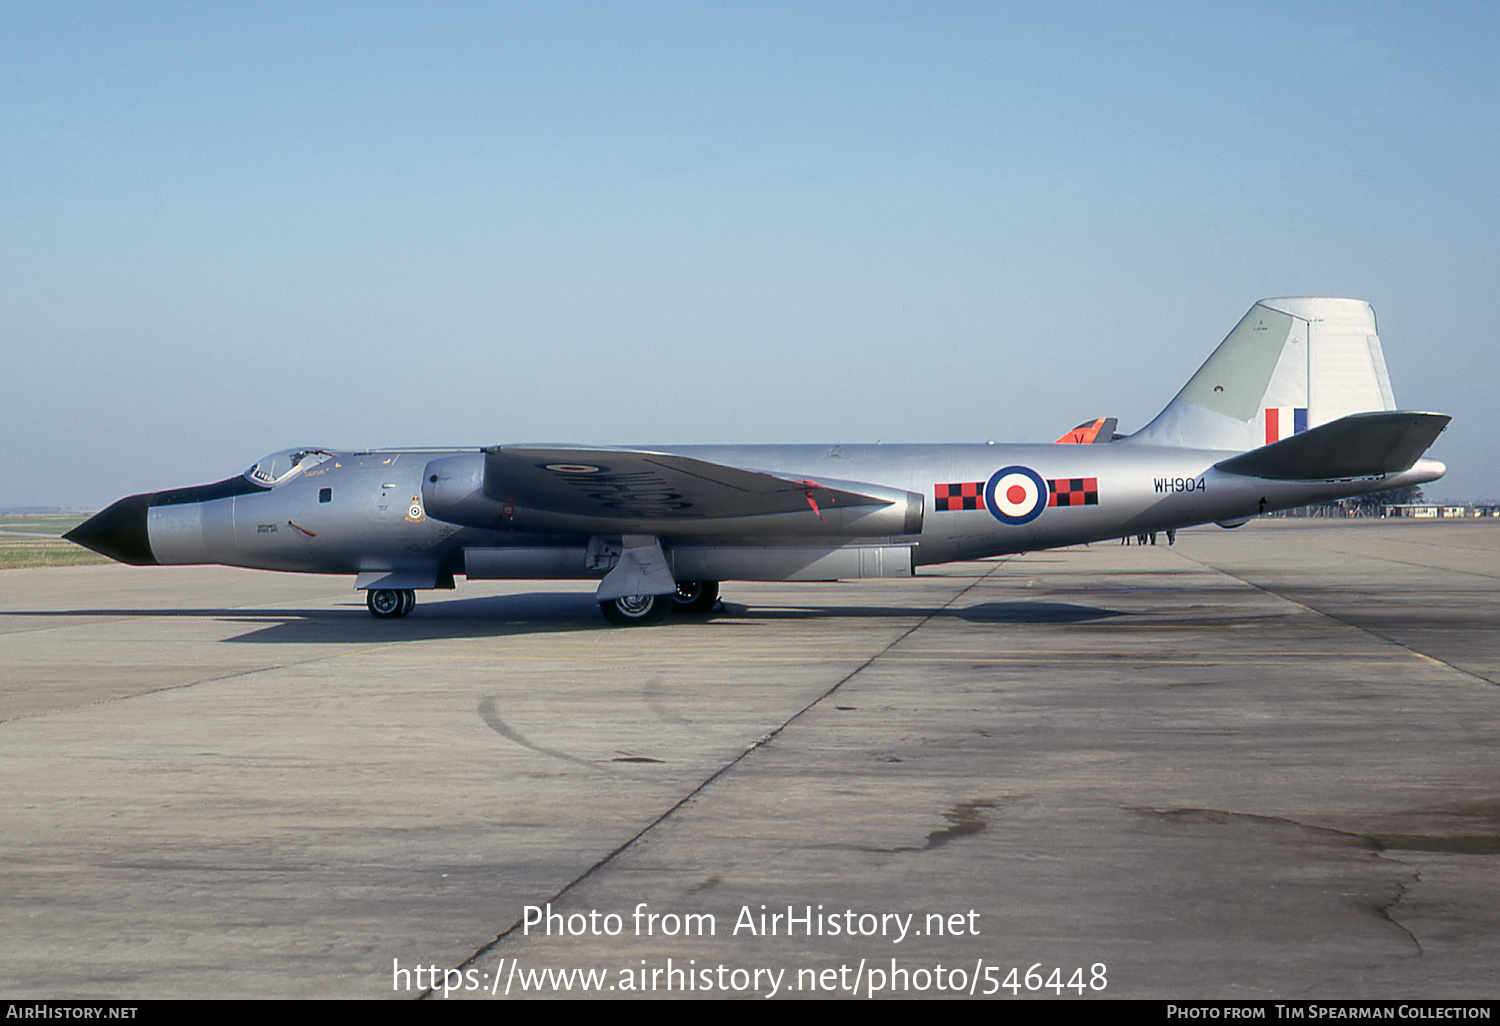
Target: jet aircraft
[[1293, 407]]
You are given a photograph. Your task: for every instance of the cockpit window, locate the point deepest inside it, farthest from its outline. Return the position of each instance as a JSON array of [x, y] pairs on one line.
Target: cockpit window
[[281, 465]]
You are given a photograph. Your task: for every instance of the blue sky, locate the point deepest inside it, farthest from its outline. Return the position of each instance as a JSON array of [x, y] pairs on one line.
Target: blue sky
[[227, 229]]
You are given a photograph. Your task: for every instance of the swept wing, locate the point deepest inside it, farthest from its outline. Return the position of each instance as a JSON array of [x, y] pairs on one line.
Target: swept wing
[[633, 484]]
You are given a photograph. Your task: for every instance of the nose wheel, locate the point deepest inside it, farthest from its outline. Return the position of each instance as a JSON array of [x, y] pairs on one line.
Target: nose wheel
[[390, 603]]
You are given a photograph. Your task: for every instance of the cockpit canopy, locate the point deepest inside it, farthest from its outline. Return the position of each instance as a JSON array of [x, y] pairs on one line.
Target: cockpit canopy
[[281, 466]]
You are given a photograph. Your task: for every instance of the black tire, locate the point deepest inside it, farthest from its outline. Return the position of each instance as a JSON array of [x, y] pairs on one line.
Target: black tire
[[408, 601], [636, 610], [387, 603], [695, 596]]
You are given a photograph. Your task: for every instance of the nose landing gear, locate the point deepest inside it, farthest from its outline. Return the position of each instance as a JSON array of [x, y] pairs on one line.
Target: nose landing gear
[[390, 603]]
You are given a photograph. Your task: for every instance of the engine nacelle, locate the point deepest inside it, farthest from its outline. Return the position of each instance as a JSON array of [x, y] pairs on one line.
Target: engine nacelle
[[453, 491]]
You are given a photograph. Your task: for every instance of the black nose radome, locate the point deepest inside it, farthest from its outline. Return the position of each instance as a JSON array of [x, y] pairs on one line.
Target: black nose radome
[[119, 531]]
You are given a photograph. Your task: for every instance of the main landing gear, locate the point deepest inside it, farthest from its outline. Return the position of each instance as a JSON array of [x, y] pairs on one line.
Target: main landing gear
[[630, 611], [644, 610], [636, 610], [390, 603], [695, 596]]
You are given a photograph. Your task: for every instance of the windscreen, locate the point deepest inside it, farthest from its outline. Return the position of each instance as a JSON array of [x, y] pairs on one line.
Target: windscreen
[[279, 466]]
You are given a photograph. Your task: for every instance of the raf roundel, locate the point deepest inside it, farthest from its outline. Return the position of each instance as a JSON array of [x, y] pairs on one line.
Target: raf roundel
[[1015, 495]]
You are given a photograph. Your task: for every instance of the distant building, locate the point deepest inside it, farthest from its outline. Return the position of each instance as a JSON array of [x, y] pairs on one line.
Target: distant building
[[1432, 510], [1347, 508]]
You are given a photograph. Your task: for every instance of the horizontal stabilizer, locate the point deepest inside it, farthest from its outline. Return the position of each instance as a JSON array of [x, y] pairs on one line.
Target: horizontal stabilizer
[[1359, 445]]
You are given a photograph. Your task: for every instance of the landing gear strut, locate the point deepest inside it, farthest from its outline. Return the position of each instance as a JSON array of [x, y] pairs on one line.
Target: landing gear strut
[[390, 603]]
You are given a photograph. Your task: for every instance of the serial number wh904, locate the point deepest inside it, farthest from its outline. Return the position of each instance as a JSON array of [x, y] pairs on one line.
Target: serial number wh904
[[1180, 484]]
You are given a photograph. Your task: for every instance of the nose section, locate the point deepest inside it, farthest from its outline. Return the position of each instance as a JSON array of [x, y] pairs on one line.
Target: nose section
[[118, 531]]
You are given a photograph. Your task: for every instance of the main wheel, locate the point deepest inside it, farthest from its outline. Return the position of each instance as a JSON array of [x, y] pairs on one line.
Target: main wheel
[[408, 601], [388, 603], [636, 610], [695, 596]]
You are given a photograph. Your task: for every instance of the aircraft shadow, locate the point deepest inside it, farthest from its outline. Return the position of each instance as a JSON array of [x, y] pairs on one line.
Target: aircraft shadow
[[544, 613], [984, 612]]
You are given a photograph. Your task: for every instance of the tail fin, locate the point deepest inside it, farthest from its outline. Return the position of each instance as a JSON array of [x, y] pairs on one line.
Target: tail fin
[[1288, 366]]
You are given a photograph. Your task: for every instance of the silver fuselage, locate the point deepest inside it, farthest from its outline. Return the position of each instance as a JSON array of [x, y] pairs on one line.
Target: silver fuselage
[[365, 512]]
